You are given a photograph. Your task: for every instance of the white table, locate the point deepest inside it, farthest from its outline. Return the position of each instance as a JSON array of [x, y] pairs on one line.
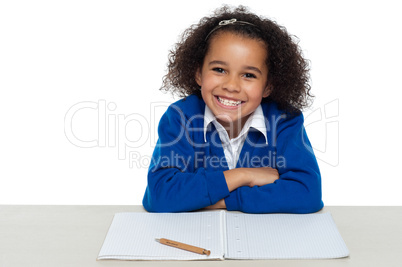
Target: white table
[[60, 236]]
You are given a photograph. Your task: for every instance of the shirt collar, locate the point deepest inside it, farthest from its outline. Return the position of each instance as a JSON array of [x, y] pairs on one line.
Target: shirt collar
[[256, 120]]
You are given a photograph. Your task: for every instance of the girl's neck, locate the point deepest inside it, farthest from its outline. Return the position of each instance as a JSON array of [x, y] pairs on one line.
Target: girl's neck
[[233, 128]]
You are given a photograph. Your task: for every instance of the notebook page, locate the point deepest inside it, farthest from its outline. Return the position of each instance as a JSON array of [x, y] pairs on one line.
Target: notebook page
[[131, 236], [283, 236]]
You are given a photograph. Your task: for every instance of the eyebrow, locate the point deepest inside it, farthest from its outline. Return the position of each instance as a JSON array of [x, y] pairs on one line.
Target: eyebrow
[[218, 62]]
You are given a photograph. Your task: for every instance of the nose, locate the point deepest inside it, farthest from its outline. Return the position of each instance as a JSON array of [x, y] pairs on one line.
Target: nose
[[232, 83]]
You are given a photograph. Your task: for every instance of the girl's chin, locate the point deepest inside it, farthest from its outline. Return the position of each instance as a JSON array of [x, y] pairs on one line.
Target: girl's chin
[[227, 122]]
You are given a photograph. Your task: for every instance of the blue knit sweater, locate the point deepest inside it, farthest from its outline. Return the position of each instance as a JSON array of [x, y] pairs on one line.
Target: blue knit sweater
[[186, 173]]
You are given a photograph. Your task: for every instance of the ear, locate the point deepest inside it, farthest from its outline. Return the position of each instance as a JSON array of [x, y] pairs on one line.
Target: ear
[[198, 77], [267, 91]]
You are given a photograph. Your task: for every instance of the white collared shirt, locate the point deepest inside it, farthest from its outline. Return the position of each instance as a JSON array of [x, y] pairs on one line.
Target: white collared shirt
[[232, 147]]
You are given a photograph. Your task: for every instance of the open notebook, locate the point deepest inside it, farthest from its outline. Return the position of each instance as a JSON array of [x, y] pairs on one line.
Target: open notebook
[[228, 235]]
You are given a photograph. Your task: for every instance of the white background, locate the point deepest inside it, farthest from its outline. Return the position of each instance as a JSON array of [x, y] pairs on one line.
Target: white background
[[103, 62]]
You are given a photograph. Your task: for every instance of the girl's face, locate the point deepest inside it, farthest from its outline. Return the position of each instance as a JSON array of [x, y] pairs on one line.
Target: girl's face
[[233, 78]]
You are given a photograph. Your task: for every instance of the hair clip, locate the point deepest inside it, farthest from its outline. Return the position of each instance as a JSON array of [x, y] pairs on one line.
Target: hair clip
[[226, 22]]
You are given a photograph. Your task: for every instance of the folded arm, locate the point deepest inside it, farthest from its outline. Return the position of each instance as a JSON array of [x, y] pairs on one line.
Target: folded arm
[[298, 189], [174, 182]]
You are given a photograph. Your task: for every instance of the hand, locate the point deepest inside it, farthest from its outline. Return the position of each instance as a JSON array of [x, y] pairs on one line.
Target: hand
[[218, 205], [261, 176], [250, 177]]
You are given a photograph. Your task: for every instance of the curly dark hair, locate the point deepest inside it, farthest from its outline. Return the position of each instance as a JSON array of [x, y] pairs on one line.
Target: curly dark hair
[[288, 77]]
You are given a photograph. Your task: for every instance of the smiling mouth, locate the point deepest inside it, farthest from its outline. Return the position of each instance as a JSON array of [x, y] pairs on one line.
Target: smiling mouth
[[228, 102]]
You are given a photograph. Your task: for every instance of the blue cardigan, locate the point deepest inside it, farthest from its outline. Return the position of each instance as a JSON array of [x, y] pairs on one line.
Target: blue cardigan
[[186, 173]]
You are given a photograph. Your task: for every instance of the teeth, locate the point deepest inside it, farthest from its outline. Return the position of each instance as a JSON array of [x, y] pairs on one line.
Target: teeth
[[228, 102]]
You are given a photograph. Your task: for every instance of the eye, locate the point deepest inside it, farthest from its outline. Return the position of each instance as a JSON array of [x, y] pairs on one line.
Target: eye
[[250, 75], [219, 70]]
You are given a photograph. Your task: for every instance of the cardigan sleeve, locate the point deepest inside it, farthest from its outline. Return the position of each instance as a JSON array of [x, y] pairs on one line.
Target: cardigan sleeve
[[298, 189], [174, 183]]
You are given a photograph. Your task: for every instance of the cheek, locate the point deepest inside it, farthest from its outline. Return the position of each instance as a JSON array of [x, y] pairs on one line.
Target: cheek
[[208, 83], [255, 94], [205, 92]]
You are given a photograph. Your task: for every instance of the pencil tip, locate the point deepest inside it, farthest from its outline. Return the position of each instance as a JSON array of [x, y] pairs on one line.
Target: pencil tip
[[157, 239]]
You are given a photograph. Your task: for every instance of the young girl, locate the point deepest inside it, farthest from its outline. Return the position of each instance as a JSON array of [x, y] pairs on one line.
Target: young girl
[[236, 141]]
